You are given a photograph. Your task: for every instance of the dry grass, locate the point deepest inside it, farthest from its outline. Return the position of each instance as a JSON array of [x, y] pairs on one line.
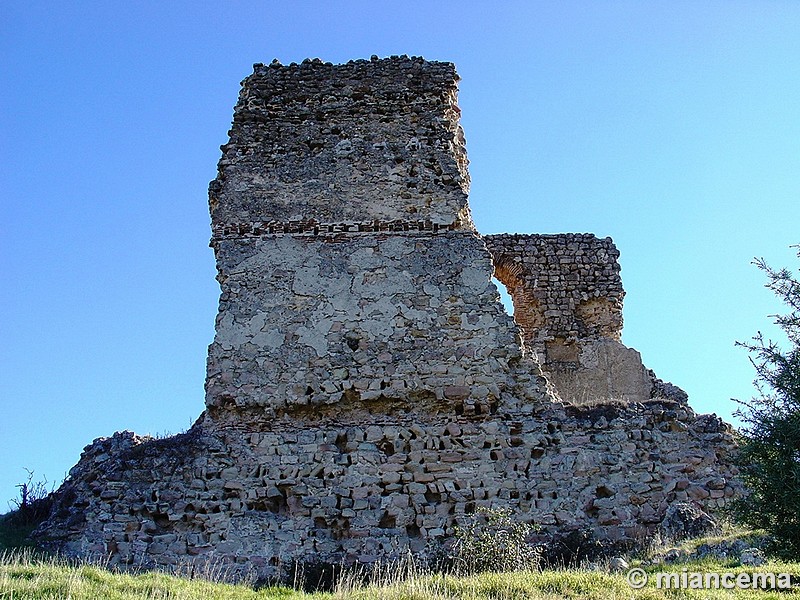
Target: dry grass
[[25, 574]]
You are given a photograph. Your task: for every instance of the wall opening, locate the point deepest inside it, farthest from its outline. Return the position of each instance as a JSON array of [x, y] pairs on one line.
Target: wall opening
[[505, 297], [526, 312]]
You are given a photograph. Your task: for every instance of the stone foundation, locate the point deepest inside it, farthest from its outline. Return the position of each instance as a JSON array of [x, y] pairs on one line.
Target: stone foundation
[[373, 480]]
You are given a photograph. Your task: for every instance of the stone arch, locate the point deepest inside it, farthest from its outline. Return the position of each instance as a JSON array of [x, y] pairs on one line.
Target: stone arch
[[528, 313]]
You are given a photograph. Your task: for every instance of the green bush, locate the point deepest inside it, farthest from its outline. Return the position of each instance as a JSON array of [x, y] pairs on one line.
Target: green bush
[[769, 453]]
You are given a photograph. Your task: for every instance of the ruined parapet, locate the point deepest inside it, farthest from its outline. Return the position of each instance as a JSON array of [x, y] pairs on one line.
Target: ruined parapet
[[349, 267], [564, 287], [567, 296]]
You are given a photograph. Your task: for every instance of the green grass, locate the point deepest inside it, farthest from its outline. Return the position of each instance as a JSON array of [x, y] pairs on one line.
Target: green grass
[[28, 575], [24, 574]]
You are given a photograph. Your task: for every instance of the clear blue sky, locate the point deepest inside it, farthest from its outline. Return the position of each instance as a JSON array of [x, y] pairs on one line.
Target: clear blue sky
[[673, 127]]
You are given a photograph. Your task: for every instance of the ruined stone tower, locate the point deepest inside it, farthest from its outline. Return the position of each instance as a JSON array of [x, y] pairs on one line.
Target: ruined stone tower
[[366, 391], [350, 268]]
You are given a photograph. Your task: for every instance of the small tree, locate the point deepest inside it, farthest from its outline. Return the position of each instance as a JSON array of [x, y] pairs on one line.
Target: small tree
[[769, 454], [33, 503]]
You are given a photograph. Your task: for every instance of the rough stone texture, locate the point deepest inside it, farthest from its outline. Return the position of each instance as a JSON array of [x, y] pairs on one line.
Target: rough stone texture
[[753, 557], [370, 481], [567, 286], [684, 520], [307, 321], [618, 565], [604, 370], [343, 145], [366, 390], [567, 296]]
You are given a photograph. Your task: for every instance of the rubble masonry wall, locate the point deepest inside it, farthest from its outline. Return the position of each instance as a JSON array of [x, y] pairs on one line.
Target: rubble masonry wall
[[366, 391]]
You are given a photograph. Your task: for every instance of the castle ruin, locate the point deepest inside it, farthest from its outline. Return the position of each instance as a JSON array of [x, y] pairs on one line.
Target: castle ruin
[[366, 390]]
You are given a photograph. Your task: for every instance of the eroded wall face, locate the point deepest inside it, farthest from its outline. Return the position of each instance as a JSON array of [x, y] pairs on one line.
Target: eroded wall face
[[348, 263], [567, 296], [344, 144], [363, 482], [309, 321], [570, 282]]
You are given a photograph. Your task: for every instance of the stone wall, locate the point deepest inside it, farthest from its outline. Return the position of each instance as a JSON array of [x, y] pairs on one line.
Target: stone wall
[[352, 274], [567, 296], [366, 391], [369, 481], [345, 144], [566, 286], [315, 320]]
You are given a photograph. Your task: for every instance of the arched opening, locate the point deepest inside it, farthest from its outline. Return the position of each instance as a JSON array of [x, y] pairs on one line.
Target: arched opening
[[526, 310], [505, 297]]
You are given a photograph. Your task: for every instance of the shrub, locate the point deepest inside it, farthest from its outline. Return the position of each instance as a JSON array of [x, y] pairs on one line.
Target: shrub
[[769, 454], [27, 512], [493, 541]]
